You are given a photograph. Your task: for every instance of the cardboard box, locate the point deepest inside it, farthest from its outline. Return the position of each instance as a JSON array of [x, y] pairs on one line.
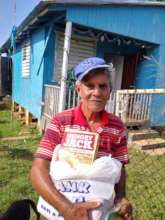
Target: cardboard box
[[82, 144]]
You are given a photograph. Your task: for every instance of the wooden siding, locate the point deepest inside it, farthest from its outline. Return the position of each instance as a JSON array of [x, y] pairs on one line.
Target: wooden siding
[[27, 92], [122, 20], [5, 76]]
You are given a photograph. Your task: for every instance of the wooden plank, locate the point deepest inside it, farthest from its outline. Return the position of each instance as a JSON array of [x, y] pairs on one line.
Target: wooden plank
[[141, 91], [28, 117]]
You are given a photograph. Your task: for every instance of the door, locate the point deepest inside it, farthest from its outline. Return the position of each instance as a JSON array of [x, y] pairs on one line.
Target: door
[[129, 71], [117, 73]]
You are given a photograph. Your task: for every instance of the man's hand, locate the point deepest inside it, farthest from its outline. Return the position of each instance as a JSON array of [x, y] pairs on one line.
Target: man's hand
[[124, 209], [80, 210]]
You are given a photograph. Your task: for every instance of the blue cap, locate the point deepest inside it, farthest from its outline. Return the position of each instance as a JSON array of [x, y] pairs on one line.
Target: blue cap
[[85, 66]]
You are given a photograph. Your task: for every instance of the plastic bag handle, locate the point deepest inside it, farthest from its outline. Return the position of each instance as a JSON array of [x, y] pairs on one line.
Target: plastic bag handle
[[108, 215]]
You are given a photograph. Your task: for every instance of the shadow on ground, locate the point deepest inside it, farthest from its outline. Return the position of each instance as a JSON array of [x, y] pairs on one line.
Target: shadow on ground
[[3, 121], [20, 154]]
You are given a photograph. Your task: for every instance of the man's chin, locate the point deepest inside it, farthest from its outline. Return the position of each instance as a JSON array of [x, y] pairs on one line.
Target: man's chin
[[96, 109]]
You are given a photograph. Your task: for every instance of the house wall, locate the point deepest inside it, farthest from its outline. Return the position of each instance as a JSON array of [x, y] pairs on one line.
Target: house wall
[[138, 22], [113, 48], [125, 20], [158, 109], [49, 58], [28, 91], [147, 70], [5, 76], [151, 74], [129, 21]]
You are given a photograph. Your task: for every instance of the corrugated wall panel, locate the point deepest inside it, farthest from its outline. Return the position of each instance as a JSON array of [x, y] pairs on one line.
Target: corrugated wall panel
[[80, 48], [28, 91], [123, 20]]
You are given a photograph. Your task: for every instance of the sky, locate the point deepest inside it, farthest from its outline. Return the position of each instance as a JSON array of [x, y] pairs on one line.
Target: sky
[[23, 8]]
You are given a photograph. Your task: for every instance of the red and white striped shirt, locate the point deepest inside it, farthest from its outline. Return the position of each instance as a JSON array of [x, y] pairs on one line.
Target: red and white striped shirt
[[112, 134]]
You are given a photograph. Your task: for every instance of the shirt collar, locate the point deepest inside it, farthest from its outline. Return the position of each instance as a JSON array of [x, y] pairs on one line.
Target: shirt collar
[[80, 119]]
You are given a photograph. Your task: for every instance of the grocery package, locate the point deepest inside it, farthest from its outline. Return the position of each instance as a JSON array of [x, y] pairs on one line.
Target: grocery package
[[80, 177], [82, 144]]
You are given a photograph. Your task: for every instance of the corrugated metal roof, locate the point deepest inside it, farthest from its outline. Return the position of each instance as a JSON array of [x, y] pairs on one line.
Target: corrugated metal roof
[[102, 2], [45, 3]]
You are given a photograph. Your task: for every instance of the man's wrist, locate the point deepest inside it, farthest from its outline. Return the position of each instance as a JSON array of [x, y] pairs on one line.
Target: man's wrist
[[118, 199], [124, 208]]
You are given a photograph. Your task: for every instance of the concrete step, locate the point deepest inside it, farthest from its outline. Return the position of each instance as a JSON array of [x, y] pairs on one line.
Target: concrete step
[[156, 151], [153, 143], [2, 105], [135, 135], [8, 101], [16, 138]]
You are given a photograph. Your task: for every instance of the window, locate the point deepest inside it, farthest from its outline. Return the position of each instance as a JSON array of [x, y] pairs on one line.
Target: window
[[26, 58]]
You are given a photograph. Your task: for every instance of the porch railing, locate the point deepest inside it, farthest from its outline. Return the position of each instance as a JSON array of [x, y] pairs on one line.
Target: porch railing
[[132, 106], [51, 100], [135, 106]]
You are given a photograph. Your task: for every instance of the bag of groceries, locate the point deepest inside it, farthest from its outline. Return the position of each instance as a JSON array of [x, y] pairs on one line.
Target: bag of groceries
[[80, 180]]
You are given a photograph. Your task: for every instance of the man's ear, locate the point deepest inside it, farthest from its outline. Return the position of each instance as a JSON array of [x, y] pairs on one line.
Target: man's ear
[[78, 89]]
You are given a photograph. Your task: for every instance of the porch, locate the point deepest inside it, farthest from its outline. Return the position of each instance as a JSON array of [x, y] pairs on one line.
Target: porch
[[133, 106]]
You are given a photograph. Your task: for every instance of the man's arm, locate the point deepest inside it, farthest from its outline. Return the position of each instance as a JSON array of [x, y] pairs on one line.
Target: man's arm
[[120, 187], [122, 204], [44, 186]]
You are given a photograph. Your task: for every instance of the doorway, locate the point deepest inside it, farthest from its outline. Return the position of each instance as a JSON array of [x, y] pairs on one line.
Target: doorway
[[123, 76]]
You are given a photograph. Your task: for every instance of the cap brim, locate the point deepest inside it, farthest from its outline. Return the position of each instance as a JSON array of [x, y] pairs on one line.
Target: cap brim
[[92, 68]]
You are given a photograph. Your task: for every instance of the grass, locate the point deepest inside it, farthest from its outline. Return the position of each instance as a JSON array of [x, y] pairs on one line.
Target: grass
[[16, 159], [10, 128], [145, 184]]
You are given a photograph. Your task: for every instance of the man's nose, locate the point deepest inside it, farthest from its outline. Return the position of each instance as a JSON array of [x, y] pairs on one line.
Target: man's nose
[[97, 91]]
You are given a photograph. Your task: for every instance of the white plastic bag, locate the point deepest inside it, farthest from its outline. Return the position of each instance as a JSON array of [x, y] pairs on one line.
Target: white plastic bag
[[93, 183]]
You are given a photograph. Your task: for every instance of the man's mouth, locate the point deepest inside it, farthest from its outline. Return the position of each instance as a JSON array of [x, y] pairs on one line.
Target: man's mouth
[[96, 100]]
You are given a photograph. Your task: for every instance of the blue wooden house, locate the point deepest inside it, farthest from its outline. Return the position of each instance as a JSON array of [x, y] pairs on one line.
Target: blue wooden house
[[56, 35]]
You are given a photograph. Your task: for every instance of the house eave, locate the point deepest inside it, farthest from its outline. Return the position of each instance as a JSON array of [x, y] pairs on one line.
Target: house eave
[[45, 6], [41, 14], [106, 2]]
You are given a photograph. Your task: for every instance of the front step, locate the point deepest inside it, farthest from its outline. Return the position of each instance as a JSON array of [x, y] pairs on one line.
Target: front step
[[148, 144], [157, 151], [2, 105], [142, 134]]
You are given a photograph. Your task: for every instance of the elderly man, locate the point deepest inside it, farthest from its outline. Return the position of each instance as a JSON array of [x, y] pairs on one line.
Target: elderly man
[[93, 86]]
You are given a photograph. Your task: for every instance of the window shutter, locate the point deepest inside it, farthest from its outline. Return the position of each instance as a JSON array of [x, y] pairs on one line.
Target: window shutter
[[26, 57]]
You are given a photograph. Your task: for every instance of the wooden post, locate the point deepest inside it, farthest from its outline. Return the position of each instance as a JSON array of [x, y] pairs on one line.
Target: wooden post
[[20, 109], [68, 31], [39, 127], [13, 106], [28, 117], [117, 102]]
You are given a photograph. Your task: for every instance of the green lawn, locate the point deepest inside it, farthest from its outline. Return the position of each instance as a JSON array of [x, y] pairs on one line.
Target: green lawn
[[10, 127], [15, 161], [145, 185]]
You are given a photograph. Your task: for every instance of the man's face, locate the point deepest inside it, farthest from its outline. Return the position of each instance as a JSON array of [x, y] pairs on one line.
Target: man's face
[[94, 91]]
